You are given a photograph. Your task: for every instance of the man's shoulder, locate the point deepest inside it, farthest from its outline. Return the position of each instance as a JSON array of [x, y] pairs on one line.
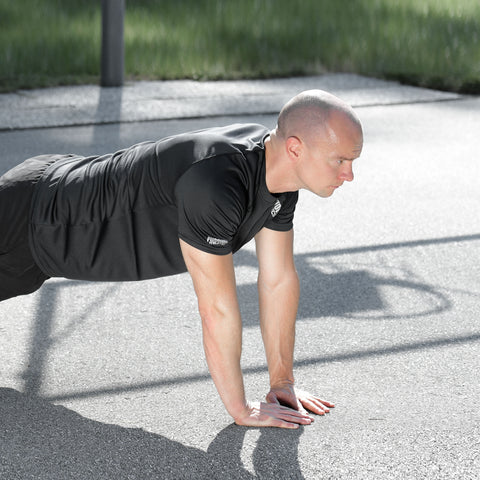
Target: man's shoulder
[[243, 137], [232, 133], [205, 143]]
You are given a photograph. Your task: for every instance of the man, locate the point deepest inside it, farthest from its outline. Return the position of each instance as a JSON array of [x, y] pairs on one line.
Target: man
[[189, 202]]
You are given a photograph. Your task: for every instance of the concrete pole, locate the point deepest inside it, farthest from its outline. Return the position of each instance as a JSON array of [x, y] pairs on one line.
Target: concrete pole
[[112, 68]]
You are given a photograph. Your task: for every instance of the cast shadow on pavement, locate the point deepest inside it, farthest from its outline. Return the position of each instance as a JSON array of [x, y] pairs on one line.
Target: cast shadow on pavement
[[330, 288], [348, 294], [43, 441], [342, 293]]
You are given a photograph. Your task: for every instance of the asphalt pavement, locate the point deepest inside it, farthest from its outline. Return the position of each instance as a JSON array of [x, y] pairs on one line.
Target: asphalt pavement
[[108, 380]]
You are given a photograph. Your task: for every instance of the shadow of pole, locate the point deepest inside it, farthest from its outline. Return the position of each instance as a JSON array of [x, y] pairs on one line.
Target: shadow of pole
[[43, 333], [41, 340], [320, 360], [109, 111]]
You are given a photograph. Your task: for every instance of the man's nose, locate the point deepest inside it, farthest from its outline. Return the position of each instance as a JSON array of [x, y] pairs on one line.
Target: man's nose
[[347, 173]]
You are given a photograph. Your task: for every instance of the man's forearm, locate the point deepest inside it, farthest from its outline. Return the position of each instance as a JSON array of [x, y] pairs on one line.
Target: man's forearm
[[214, 282], [222, 340], [278, 310]]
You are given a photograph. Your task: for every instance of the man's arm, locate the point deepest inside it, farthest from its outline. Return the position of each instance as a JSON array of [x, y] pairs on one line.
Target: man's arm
[[214, 282], [279, 291]]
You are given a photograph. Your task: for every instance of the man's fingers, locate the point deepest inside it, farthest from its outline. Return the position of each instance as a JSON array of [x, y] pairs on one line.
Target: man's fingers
[[293, 416], [299, 400], [283, 424], [273, 415], [316, 405], [324, 402]]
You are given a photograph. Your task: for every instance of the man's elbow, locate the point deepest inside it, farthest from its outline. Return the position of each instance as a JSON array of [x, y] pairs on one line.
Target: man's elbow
[[288, 279], [208, 312], [212, 312]]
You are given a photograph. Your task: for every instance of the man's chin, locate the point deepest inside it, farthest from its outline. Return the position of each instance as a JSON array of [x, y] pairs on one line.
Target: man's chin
[[325, 193]]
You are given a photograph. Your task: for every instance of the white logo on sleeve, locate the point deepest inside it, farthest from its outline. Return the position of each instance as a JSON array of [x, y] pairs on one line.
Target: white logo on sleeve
[[216, 242], [276, 208]]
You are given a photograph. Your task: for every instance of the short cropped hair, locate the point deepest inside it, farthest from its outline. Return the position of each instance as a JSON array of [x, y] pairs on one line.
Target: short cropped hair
[[310, 110]]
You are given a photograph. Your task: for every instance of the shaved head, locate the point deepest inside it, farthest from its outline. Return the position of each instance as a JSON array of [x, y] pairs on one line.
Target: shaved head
[[307, 115]]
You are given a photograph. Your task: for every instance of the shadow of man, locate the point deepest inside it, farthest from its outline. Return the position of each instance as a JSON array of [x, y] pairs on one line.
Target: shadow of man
[[275, 455], [44, 441]]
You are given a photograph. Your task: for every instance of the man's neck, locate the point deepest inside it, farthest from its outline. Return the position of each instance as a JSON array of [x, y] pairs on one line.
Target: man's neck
[[278, 172]]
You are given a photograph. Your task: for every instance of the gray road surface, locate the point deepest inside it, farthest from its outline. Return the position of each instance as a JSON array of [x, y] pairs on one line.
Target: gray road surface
[[103, 381]]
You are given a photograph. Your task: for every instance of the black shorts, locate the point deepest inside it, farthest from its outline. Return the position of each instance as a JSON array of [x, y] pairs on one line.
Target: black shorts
[[19, 274]]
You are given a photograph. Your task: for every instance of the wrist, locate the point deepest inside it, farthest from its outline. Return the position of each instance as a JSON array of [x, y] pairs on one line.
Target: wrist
[[240, 413], [237, 409], [280, 371], [282, 382]]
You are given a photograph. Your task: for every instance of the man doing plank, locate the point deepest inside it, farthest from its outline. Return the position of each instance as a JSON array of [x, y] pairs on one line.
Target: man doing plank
[[188, 202]]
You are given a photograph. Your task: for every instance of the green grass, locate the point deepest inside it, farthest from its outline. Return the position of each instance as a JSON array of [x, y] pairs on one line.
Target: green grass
[[434, 43]]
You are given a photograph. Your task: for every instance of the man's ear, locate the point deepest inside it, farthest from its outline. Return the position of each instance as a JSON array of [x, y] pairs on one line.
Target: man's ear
[[294, 148]]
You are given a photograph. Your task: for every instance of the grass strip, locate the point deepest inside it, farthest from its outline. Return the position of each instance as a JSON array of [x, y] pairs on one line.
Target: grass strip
[[432, 43]]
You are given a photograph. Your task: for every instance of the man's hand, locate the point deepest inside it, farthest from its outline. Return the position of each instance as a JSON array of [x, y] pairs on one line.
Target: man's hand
[[260, 414], [299, 400]]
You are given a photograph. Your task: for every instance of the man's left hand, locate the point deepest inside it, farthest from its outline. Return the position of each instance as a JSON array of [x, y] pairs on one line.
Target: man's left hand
[[289, 396]]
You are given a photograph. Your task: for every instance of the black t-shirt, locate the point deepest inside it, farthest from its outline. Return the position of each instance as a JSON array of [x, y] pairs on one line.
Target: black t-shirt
[[119, 216]]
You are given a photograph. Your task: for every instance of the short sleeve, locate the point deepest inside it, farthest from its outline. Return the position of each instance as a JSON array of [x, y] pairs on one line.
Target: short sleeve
[[211, 202], [281, 216]]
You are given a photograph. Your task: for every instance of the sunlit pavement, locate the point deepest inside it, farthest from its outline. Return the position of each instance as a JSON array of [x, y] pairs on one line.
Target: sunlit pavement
[[109, 380]]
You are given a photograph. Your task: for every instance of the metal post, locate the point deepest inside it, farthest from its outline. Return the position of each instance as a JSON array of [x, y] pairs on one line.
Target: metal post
[[112, 68]]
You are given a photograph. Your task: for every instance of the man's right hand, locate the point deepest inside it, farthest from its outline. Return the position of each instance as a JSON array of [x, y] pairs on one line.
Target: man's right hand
[[260, 414]]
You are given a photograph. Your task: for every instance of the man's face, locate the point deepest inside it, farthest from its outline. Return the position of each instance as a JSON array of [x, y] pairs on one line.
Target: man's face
[[327, 161]]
